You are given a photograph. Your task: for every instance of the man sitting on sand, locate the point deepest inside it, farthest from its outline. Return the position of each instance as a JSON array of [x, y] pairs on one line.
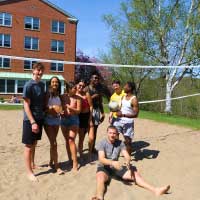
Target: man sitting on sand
[[108, 151]]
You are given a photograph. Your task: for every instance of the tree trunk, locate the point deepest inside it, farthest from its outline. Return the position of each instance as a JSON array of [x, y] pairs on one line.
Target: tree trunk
[[168, 104]]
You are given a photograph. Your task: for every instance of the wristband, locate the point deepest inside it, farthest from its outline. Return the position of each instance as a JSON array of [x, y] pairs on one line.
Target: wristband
[[33, 123]]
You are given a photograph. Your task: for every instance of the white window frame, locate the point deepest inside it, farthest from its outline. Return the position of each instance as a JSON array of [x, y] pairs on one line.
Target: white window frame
[[57, 67], [31, 64], [2, 65], [58, 26], [4, 13], [32, 18], [57, 46], [32, 43], [3, 40]]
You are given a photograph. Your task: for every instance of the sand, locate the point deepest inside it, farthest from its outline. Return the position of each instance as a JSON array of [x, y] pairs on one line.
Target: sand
[[165, 154]]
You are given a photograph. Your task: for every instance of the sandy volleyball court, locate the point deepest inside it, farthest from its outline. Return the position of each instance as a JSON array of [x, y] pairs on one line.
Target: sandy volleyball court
[[165, 154]]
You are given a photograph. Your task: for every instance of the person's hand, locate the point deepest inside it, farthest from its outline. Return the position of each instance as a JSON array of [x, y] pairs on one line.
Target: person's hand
[[57, 109], [119, 114], [35, 128], [116, 165], [95, 96]]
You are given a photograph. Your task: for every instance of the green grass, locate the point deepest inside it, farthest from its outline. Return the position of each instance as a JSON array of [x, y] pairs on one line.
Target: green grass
[[171, 119], [11, 107]]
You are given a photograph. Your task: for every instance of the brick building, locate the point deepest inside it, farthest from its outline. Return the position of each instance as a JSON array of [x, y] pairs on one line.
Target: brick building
[[34, 29]]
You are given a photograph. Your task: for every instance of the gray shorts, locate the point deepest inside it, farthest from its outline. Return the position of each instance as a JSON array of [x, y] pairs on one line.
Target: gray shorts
[[127, 129], [96, 116], [112, 172]]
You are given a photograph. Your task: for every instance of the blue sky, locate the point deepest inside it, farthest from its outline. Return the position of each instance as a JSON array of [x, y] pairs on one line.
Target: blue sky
[[93, 34]]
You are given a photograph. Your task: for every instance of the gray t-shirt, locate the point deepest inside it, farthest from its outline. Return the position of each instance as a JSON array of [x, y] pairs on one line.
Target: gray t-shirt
[[112, 151], [35, 91]]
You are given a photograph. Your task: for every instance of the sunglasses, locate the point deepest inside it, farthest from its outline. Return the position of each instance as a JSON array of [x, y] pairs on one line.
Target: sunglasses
[[95, 77]]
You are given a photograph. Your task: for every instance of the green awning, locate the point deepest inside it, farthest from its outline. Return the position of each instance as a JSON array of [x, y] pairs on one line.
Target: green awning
[[13, 75]]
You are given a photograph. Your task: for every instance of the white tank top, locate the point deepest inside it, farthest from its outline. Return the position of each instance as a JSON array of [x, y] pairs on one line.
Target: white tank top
[[126, 108], [54, 101]]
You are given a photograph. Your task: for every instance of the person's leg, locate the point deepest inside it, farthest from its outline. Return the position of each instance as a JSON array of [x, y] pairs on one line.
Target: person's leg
[[28, 162], [128, 143], [90, 141], [81, 134], [101, 178], [52, 132], [72, 145], [135, 176], [95, 136], [65, 132], [34, 166]]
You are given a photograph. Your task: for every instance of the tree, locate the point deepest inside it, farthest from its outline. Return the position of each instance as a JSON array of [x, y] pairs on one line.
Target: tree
[[157, 32]]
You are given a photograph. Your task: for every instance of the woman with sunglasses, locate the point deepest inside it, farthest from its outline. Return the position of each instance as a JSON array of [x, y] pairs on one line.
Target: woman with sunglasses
[[85, 119], [71, 104], [52, 119]]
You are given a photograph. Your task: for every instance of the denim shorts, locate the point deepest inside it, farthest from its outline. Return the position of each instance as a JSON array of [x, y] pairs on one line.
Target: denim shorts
[[70, 121], [52, 120]]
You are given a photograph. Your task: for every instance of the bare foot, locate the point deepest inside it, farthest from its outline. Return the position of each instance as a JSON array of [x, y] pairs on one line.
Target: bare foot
[[60, 171], [36, 167], [32, 177], [162, 190]]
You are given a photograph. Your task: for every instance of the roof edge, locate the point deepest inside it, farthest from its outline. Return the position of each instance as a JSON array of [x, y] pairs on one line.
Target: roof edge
[[71, 17]]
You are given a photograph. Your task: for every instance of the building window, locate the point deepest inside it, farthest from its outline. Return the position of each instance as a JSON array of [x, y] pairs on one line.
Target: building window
[[4, 62], [20, 86], [57, 46], [28, 64], [32, 23], [10, 86], [5, 19], [31, 43], [2, 85], [57, 67], [58, 27], [5, 40]]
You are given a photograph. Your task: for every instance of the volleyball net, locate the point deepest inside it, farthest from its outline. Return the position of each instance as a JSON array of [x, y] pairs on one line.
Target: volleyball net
[[12, 82]]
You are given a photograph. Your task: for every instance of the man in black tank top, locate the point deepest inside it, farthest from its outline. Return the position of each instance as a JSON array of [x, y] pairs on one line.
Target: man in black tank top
[[98, 115]]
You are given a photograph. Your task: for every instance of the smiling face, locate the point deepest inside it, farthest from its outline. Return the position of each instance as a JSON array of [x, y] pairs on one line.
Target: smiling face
[[54, 84], [72, 91], [116, 87], [37, 74], [80, 86], [95, 79]]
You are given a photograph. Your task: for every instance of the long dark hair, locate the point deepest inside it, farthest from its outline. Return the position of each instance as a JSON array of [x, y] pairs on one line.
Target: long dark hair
[[50, 90], [69, 85]]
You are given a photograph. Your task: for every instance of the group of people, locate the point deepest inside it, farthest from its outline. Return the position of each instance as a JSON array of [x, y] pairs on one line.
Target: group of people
[[79, 111]]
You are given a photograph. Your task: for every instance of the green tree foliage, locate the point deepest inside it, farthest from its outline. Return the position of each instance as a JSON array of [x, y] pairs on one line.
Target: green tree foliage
[[155, 32]]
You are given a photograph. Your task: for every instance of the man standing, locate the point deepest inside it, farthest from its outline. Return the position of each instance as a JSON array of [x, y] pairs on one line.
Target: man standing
[[125, 117], [116, 97], [98, 115], [33, 95], [109, 151]]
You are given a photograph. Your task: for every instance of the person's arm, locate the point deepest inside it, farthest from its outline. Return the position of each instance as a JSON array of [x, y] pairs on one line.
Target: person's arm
[[101, 108], [28, 112], [126, 157], [89, 99], [105, 161], [76, 110]]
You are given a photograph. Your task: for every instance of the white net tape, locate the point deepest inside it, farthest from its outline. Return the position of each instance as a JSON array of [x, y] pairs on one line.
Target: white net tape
[[98, 64]]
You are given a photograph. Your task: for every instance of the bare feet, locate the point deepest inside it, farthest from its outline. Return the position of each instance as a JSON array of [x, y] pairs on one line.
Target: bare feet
[[32, 177], [162, 190], [60, 171]]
